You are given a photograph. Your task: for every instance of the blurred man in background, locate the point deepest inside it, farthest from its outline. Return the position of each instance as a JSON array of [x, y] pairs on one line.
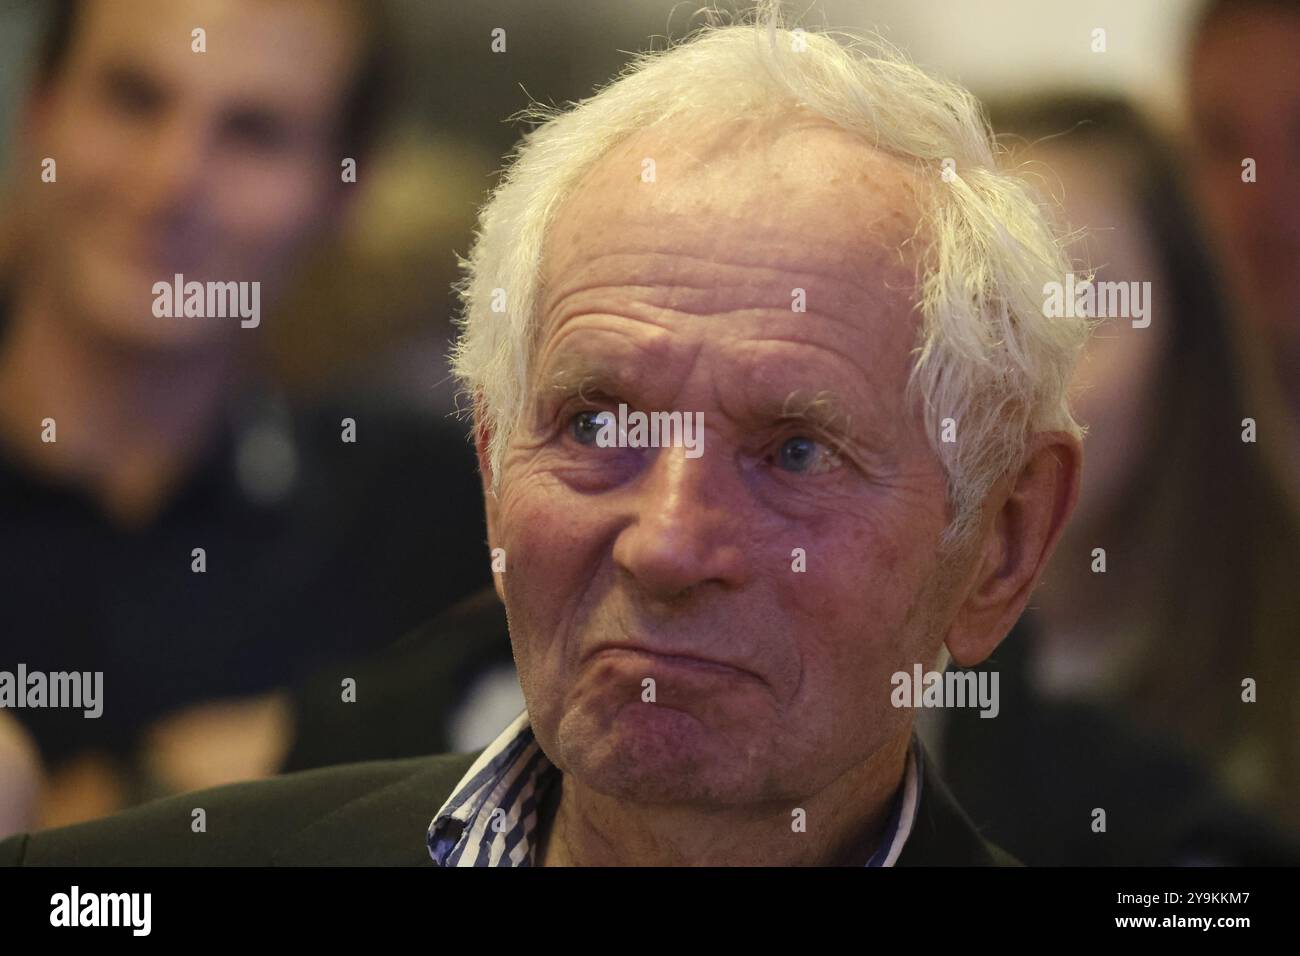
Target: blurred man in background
[[169, 520]]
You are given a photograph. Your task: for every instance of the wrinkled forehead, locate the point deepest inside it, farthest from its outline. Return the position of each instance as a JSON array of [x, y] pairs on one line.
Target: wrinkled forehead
[[802, 236], [751, 208]]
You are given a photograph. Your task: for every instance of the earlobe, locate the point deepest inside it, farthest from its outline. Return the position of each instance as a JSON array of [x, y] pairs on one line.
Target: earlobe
[[968, 639]]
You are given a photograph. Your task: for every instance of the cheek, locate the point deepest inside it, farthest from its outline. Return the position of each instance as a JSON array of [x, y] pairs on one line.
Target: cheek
[[851, 606], [853, 564], [851, 638], [552, 540], [97, 147], [895, 609], [95, 168]]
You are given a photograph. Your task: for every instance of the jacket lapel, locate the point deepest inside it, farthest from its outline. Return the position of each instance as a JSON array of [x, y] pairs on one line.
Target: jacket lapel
[[942, 834], [385, 827]]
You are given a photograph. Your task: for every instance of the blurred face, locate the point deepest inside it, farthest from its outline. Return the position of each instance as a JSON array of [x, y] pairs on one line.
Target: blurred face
[[1117, 375], [1245, 97], [631, 563], [216, 165]]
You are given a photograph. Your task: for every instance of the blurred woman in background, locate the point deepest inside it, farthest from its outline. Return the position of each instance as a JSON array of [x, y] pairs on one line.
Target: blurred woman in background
[[1197, 594]]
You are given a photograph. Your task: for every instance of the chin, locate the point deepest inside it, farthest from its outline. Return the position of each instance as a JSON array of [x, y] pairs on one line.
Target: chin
[[111, 299], [651, 753], [118, 320]]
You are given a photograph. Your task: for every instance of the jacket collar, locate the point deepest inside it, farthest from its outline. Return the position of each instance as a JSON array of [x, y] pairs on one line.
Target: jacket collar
[[386, 826]]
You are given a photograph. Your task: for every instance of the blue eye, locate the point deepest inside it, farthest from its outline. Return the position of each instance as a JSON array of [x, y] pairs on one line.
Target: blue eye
[[805, 455], [586, 425], [796, 454]]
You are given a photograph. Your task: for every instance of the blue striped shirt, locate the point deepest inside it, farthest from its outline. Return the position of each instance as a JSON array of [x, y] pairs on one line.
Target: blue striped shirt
[[491, 817]]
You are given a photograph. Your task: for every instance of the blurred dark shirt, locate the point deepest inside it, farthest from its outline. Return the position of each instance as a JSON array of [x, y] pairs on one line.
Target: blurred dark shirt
[[1032, 778], [317, 550]]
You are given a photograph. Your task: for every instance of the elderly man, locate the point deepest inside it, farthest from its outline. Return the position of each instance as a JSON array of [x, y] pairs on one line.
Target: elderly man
[[810, 251]]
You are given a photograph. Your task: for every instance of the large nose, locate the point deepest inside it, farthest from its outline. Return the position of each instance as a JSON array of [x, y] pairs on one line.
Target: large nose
[[688, 525]]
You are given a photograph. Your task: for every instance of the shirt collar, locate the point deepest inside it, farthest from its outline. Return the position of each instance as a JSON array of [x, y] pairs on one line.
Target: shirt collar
[[491, 817]]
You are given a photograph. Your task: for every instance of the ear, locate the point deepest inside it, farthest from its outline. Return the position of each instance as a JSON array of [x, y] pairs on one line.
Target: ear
[[482, 442], [1025, 515]]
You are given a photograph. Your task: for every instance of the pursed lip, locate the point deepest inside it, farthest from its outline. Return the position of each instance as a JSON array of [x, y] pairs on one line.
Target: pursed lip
[[679, 658]]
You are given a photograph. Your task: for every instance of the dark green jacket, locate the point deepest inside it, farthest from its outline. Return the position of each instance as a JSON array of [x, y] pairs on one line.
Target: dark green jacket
[[370, 814]]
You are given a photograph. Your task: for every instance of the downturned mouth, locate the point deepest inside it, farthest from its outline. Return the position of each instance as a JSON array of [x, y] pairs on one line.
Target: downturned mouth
[[672, 659]]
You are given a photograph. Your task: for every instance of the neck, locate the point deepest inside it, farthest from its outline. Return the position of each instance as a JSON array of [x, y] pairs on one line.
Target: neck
[[844, 824], [128, 422]]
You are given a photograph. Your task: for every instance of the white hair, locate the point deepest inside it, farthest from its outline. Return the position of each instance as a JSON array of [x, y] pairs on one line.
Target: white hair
[[986, 355]]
